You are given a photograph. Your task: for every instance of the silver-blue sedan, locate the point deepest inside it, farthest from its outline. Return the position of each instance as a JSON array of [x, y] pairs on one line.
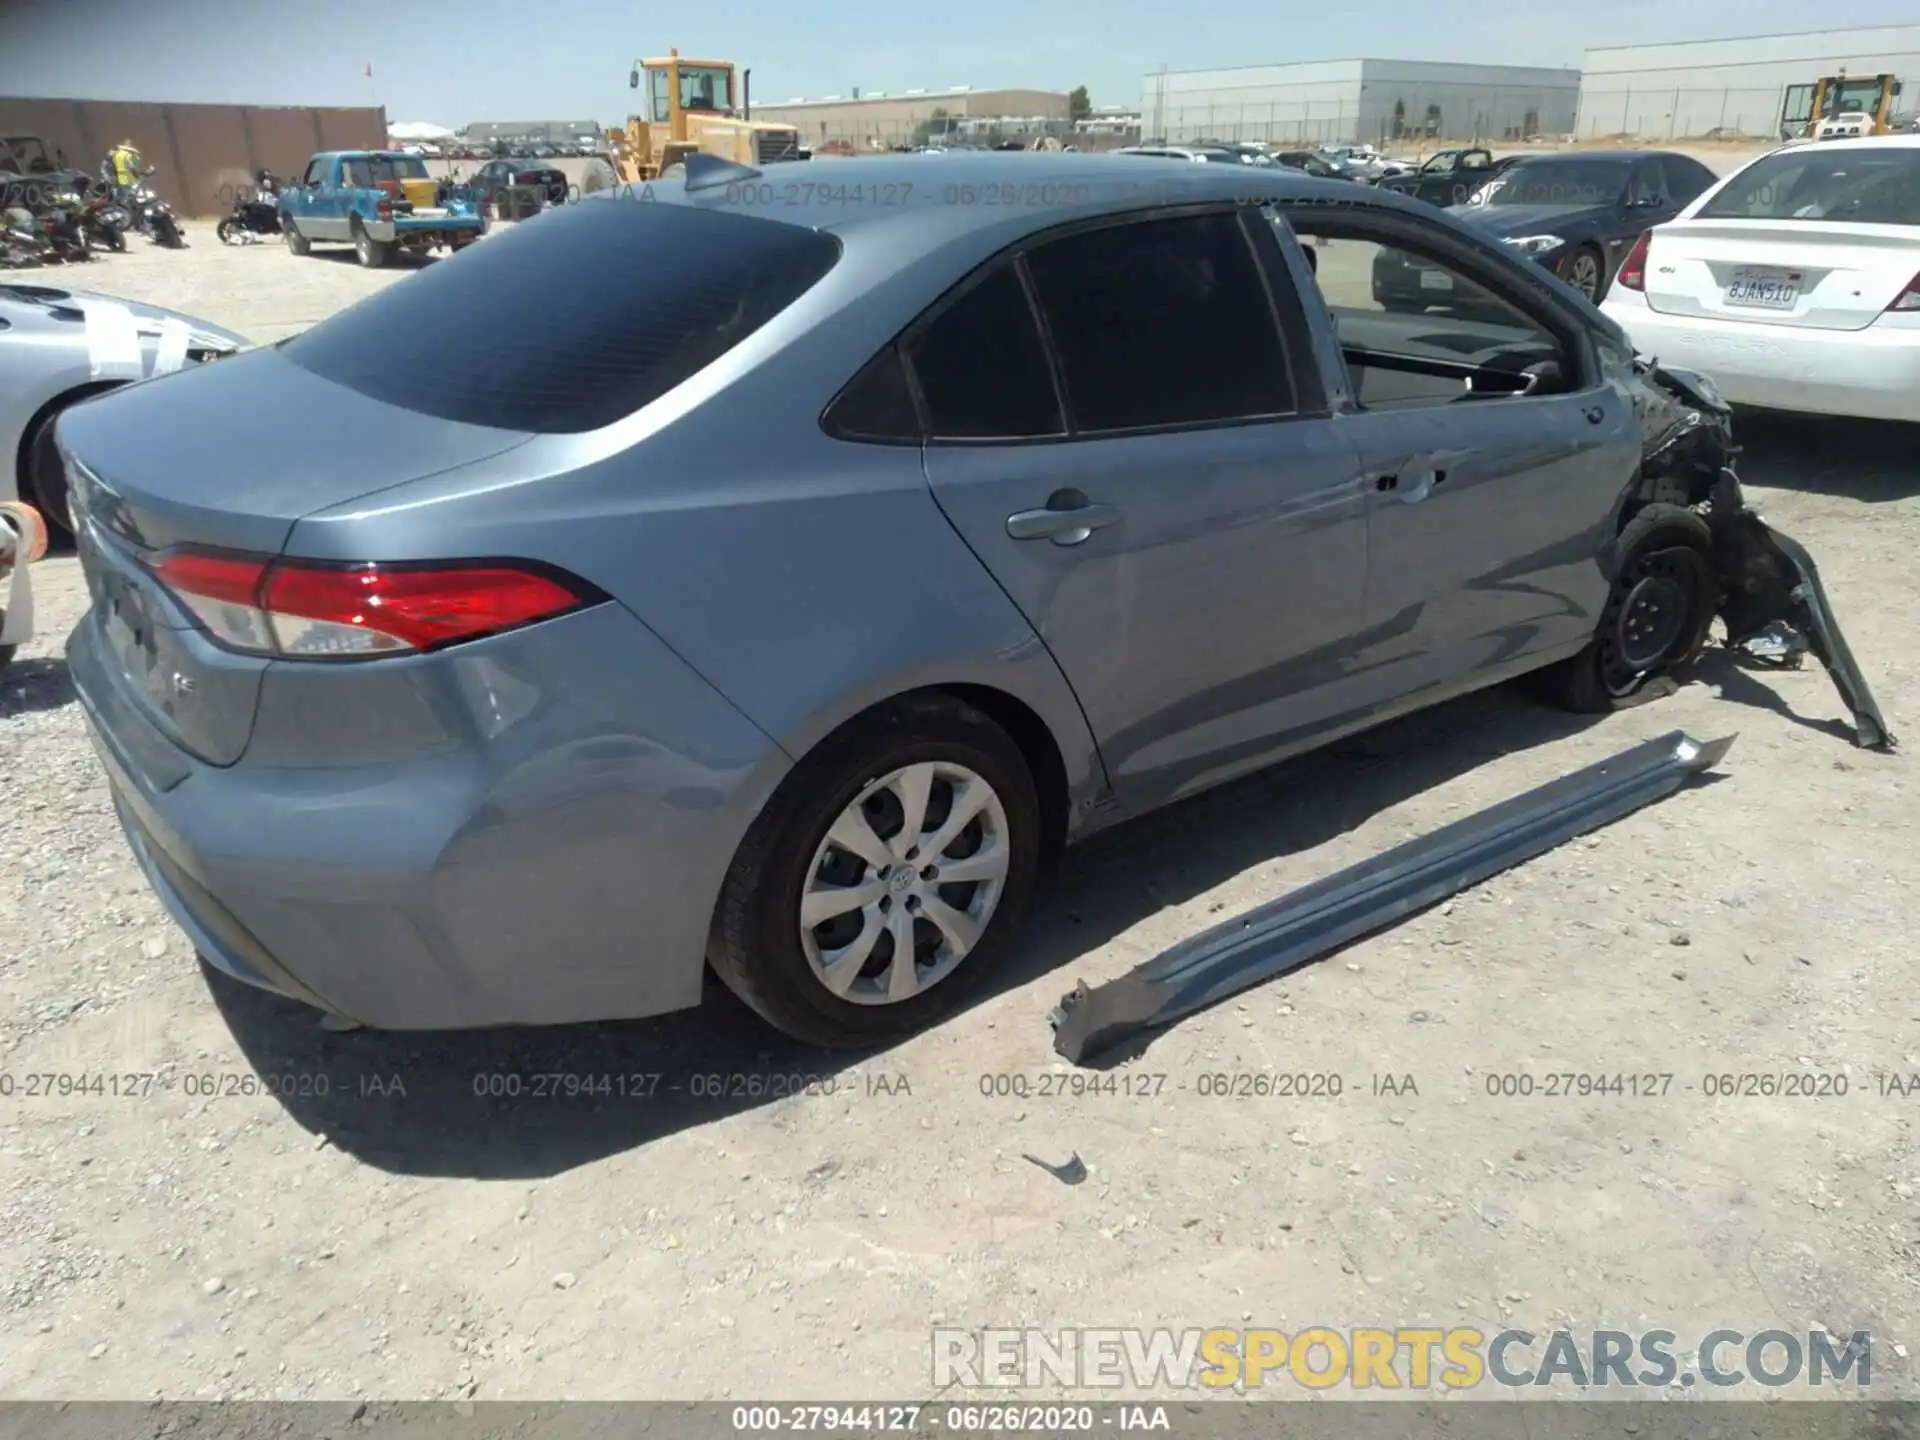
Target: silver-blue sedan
[[776, 570]]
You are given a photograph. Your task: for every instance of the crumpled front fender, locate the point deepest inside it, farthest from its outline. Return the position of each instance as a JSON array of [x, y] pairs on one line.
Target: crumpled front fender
[[1768, 577]]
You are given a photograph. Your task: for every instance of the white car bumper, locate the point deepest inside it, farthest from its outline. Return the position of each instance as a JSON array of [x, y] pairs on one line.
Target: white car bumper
[[1870, 374]]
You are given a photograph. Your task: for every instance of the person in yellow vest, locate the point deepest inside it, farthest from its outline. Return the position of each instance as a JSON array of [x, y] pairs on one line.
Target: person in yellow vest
[[127, 162]]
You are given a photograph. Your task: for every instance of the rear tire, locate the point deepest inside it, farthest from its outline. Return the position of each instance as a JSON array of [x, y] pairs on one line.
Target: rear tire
[[857, 783], [598, 175], [1657, 615], [48, 477], [297, 243], [371, 253]]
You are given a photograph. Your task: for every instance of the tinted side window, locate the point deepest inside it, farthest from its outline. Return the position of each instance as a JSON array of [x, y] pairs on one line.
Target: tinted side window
[[877, 403], [1648, 184], [982, 371], [1162, 322], [525, 333], [1687, 178]]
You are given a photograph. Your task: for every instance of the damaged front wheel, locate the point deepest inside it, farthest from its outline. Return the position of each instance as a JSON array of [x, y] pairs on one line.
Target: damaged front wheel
[[1656, 619]]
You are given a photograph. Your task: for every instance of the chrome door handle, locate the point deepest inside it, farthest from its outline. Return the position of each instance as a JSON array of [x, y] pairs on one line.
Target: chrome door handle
[[1068, 520]]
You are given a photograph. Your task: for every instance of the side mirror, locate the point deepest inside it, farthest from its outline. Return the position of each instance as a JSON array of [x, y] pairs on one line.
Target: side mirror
[[633, 80]]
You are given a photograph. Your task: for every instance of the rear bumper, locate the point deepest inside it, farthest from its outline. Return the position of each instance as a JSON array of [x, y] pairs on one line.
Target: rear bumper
[[483, 837], [1870, 374], [447, 226]]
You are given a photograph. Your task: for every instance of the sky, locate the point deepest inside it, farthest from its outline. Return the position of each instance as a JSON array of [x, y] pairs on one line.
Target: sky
[[460, 61]]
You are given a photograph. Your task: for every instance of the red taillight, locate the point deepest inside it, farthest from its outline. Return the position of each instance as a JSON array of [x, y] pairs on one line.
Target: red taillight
[[1908, 300], [1633, 270], [306, 611], [384, 209], [223, 592]]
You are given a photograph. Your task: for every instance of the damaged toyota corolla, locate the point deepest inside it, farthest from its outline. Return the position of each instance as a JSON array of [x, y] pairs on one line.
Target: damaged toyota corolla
[[790, 613]]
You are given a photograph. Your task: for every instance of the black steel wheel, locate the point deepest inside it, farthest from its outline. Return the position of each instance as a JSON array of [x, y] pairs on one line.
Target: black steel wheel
[[1659, 607]]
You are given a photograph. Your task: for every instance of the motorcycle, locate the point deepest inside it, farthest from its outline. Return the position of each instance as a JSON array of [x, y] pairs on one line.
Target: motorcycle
[[105, 219], [253, 215], [64, 223], [155, 217], [22, 242], [152, 216]]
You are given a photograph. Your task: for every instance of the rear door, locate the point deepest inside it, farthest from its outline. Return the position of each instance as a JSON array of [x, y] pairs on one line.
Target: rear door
[[1489, 509], [1156, 485], [1818, 237]]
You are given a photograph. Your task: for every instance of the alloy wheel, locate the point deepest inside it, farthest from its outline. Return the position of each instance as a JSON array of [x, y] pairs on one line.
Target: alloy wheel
[[904, 883], [1584, 274]]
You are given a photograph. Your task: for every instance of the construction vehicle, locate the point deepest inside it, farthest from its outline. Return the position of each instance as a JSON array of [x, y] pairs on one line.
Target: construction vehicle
[[1810, 107], [695, 106]]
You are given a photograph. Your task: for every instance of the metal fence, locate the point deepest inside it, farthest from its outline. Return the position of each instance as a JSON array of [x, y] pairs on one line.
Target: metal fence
[[1659, 112], [864, 135], [1426, 113]]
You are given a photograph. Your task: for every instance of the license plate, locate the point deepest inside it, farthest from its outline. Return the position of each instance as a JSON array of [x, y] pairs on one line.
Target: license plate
[[1764, 289], [1435, 280], [435, 214]]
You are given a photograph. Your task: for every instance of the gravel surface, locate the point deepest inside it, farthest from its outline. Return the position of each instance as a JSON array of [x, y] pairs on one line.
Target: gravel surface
[[204, 1194]]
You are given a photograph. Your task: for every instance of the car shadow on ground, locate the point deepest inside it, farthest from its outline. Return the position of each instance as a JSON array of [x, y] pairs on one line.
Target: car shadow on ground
[[520, 1103], [347, 255], [1866, 460], [1742, 680], [27, 686]]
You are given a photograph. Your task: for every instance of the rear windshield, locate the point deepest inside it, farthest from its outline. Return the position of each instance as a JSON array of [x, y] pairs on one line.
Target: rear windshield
[[571, 321], [1863, 186], [367, 171]]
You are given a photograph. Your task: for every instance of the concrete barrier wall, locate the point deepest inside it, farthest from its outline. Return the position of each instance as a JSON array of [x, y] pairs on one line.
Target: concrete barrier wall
[[201, 154]]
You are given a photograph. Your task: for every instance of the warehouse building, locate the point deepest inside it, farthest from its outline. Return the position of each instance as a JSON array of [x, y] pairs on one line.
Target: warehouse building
[[1348, 101], [1755, 85], [875, 120]]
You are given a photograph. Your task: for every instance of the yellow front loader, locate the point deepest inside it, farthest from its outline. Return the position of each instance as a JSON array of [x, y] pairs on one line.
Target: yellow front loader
[[689, 106]]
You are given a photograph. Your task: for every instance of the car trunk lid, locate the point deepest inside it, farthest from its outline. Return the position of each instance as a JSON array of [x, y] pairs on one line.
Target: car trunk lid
[[1805, 274], [288, 443], [292, 443]]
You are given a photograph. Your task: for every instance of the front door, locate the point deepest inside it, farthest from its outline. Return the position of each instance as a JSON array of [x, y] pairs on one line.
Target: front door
[[1489, 507], [327, 204], [1166, 501]]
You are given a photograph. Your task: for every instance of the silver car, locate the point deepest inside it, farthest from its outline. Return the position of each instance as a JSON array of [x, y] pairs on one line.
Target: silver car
[[59, 346], [513, 645]]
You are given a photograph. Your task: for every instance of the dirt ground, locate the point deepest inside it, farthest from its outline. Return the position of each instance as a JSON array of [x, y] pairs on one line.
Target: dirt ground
[[388, 1225]]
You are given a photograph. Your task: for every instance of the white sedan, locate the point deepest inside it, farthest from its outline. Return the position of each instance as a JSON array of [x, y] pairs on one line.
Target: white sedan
[[1794, 284]]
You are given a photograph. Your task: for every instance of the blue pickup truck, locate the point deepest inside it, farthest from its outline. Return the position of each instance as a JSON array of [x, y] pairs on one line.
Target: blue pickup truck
[[379, 201]]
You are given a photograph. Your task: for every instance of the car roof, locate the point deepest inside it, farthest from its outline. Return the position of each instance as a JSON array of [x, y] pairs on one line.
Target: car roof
[[1599, 155], [925, 201], [1858, 142]]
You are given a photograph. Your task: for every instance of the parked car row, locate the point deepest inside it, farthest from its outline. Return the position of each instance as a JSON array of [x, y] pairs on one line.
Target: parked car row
[[582, 149], [1794, 283]]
